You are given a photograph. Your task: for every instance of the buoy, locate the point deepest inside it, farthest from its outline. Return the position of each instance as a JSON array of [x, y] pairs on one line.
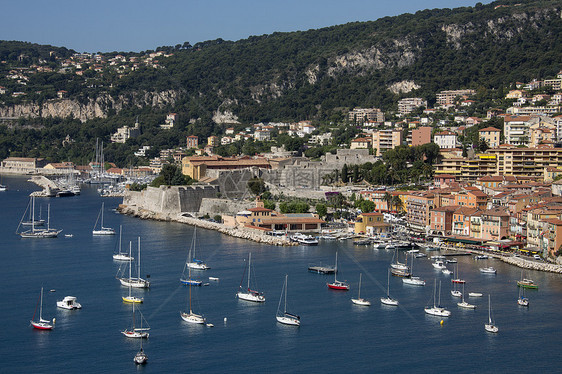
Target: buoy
[[441, 322]]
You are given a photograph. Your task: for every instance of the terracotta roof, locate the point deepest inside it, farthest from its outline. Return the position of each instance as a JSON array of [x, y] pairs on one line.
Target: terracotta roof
[[554, 221], [447, 208], [260, 210], [489, 129]]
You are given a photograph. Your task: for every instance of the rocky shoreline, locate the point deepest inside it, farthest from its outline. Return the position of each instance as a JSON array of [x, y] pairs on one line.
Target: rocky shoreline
[[237, 232], [516, 261]]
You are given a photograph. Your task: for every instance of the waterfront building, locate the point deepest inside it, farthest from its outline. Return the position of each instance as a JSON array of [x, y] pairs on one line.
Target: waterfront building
[[371, 224], [495, 224], [473, 198], [23, 164], [418, 210], [461, 220], [442, 220], [263, 219], [198, 167], [526, 162], [553, 236]]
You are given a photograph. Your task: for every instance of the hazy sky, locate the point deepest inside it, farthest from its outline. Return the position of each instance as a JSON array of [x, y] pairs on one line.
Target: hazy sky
[[137, 25]]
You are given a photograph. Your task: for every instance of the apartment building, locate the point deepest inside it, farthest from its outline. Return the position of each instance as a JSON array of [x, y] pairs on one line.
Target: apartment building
[[419, 206], [526, 162], [447, 98], [409, 104], [516, 129], [192, 141], [421, 135], [383, 140], [362, 115]]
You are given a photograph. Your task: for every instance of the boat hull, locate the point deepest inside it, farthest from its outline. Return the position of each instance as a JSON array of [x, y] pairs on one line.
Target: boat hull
[[197, 266], [134, 282], [491, 328], [256, 298], [362, 302], [321, 269], [288, 320], [191, 282], [523, 301], [436, 311], [132, 299], [527, 285], [389, 301], [41, 325], [466, 305], [104, 231], [338, 286], [414, 281], [135, 334], [140, 358], [193, 318]]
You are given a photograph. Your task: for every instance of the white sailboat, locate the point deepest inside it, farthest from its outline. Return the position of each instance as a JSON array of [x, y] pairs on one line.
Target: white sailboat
[[190, 316], [437, 309], [41, 324], [414, 281], [522, 300], [136, 332], [490, 326], [464, 304], [32, 220], [122, 256], [249, 294], [360, 300], [102, 230], [137, 282], [130, 298], [285, 317], [195, 263], [388, 300], [39, 232], [140, 358]]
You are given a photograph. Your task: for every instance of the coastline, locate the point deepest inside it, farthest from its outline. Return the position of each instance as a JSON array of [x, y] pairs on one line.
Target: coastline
[[512, 260], [237, 232]]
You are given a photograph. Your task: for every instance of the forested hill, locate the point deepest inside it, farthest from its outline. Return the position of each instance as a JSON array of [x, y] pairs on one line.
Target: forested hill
[[309, 74]]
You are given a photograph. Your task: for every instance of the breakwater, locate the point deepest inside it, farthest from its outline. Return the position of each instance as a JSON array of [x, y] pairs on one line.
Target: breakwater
[[238, 232]]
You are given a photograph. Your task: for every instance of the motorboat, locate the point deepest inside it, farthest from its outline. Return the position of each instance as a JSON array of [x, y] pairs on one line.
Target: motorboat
[[446, 271], [69, 302], [438, 265], [304, 239], [481, 257], [488, 270], [456, 293], [414, 281], [475, 294]]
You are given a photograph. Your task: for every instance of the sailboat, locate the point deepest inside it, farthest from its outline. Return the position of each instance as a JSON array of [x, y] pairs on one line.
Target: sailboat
[[2, 186], [457, 279], [192, 317], [137, 282], [464, 304], [195, 263], [42, 324], [522, 300], [140, 358], [37, 232], [286, 318], [437, 309], [414, 281], [388, 300], [249, 294], [31, 220], [336, 284], [186, 278], [102, 230], [527, 283], [130, 298], [455, 292], [122, 256], [359, 300], [135, 332], [490, 326]]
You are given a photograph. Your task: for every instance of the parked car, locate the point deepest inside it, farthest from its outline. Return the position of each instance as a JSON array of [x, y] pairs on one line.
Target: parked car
[[537, 257]]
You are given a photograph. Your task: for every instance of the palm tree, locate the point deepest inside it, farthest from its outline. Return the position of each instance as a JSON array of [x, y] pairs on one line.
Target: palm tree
[[397, 202]]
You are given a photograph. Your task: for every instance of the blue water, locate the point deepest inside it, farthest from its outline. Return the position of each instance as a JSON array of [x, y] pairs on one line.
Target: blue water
[[335, 336]]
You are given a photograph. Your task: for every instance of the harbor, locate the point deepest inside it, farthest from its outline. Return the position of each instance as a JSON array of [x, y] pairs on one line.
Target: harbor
[[82, 266]]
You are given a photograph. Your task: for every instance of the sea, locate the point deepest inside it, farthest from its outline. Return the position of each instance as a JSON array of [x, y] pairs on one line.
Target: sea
[[335, 335]]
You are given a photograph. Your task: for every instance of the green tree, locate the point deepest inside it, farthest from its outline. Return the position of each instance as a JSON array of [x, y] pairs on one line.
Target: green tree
[[171, 176], [366, 206], [256, 186], [321, 210]]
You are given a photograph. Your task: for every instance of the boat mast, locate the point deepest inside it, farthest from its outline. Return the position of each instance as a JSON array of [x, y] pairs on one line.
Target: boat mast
[[439, 303], [138, 272], [120, 232], [101, 227], [286, 285], [249, 263], [388, 284], [359, 293], [336, 271], [130, 265], [434, 289], [33, 215], [489, 310], [41, 307], [48, 217]]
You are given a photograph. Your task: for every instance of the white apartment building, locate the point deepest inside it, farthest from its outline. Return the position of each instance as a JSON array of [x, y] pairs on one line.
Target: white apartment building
[[409, 104], [516, 129], [383, 140], [124, 133], [361, 115], [446, 139], [447, 98]]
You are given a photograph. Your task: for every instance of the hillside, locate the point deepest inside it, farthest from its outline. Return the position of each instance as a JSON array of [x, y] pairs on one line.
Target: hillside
[[315, 74]]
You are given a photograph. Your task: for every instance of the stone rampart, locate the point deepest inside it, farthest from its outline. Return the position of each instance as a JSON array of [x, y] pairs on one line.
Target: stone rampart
[[223, 206]]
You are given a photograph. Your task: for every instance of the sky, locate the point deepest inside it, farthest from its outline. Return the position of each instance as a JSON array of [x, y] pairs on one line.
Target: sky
[[140, 25]]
